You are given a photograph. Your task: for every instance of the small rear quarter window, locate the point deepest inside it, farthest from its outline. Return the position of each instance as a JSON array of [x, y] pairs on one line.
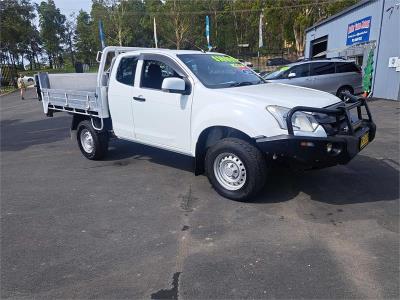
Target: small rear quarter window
[[345, 67], [126, 70]]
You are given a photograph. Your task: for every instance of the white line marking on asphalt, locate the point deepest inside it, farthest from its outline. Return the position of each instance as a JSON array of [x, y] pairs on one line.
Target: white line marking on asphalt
[[391, 163]]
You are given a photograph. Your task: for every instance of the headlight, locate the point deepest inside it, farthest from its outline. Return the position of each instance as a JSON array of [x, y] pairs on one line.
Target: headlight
[[301, 121]]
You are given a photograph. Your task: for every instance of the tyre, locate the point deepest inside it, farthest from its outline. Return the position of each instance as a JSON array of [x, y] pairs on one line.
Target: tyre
[[235, 168], [344, 90], [93, 144]]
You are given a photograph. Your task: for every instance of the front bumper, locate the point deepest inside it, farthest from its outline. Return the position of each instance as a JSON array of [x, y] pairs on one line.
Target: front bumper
[[317, 152], [312, 152]]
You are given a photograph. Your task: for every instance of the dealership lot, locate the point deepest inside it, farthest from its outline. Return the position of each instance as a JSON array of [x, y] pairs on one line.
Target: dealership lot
[[140, 225]]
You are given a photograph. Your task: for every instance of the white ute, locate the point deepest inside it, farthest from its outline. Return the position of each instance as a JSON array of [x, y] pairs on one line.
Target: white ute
[[211, 107]]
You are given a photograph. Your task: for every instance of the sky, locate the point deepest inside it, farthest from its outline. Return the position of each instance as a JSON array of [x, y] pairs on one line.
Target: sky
[[71, 6]]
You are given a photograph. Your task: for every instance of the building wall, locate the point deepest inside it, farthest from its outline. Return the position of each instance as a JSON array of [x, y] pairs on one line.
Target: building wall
[[386, 80], [337, 28]]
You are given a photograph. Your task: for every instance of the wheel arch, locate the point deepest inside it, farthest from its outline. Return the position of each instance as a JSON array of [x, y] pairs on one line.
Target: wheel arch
[[343, 87], [211, 135], [76, 119]]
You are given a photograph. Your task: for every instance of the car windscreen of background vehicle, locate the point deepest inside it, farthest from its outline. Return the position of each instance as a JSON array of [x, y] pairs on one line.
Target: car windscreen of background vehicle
[[220, 71], [277, 74]]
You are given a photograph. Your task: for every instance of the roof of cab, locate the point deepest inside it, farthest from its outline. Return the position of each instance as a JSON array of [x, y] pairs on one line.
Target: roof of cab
[[169, 51]]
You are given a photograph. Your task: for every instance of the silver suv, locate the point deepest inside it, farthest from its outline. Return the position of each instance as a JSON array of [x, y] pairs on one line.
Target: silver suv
[[335, 76]]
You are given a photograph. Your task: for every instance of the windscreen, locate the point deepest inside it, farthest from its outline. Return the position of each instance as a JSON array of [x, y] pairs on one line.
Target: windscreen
[[276, 74], [220, 71]]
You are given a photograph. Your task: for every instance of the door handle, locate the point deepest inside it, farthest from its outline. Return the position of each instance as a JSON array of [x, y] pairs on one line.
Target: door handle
[[139, 98]]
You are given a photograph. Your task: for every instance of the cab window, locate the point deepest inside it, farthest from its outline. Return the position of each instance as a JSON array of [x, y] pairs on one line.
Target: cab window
[[154, 72], [126, 70]]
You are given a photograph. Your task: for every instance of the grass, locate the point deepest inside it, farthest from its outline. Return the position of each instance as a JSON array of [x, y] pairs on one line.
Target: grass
[[7, 89], [66, 69]]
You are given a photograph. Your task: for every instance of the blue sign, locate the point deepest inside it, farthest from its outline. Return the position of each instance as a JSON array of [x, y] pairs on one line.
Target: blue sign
[[101, 34], [358, 32], [208, 33]]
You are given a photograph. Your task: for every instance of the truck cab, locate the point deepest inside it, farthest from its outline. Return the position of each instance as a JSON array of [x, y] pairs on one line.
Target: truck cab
[[213, 108], [150, 97]]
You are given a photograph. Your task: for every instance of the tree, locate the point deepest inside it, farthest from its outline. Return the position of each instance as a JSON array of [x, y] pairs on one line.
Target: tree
[[84, 40], [52, 31], [150, 10], [309, 13], [121, 20], [180, 24], [119, 13], [69, 37], [18, 34], [177, 24]]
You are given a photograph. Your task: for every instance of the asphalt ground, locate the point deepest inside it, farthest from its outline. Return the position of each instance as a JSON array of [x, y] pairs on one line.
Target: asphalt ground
[[140, 225]]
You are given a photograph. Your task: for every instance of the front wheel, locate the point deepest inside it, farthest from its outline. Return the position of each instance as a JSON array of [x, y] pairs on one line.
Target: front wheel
[[93, 144], [235, 168]]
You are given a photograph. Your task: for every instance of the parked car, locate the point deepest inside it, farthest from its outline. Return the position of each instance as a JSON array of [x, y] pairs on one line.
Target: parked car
[[246, 63], [29, 80], [210, 107], [335, 76], [278, 61]]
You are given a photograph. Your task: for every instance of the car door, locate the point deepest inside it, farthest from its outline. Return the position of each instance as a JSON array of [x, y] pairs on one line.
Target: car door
[[323, 77], [120, 93], [297, 75], [161, 118]]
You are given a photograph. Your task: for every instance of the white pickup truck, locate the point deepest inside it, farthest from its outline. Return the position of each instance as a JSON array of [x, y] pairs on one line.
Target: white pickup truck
[[211, 107]]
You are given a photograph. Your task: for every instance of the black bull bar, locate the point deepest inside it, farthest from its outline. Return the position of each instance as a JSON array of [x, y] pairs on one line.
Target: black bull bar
[[337, 112]]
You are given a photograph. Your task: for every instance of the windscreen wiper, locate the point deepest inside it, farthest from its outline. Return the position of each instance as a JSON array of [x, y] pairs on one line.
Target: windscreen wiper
[[243, 83]]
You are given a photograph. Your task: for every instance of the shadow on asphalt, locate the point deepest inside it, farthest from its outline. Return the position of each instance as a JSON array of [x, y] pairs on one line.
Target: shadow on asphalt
[[17, 135], [364, 179], [121, 152], [366, 189]]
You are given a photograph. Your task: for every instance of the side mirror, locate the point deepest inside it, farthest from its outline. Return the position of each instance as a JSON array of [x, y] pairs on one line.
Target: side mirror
[[174, 85], [291, 75]]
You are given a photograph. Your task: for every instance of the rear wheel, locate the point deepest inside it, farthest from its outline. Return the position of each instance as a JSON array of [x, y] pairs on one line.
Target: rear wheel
[[235, 168], [93, 144], [341, 93]]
